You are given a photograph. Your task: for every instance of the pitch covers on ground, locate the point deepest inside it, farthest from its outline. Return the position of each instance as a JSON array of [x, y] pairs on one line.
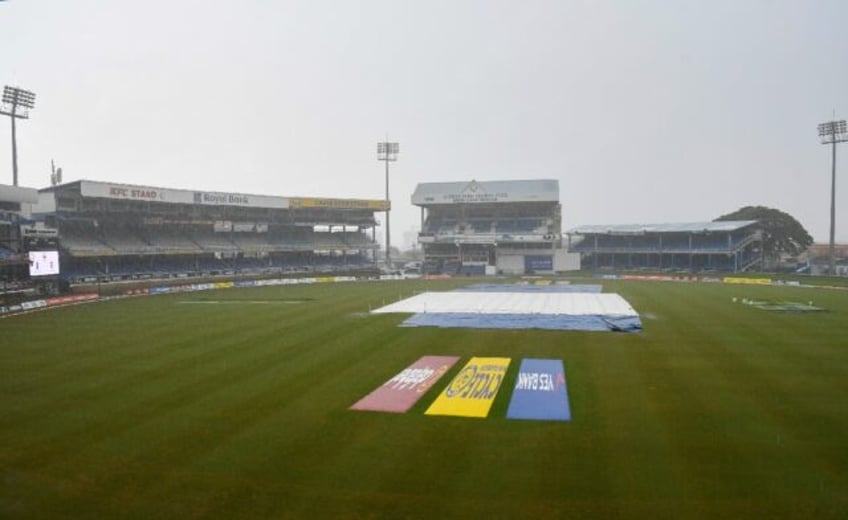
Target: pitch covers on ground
[[399, 393], [472, 392], [540, 392]]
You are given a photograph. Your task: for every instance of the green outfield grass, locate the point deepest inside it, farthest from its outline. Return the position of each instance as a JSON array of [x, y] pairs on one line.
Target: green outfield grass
[[157, 408]]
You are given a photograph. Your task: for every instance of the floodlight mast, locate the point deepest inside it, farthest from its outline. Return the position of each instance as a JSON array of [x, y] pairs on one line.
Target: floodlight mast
[[15, 98], [831, 133], [387, 152]]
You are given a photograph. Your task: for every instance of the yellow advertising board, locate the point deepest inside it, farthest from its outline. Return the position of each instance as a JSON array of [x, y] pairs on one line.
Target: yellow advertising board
[[747, 281], [473, 390], [312, 202]]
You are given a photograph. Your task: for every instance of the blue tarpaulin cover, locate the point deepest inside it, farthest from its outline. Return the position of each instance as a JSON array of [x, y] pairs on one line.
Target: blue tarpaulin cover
[[524, 321]]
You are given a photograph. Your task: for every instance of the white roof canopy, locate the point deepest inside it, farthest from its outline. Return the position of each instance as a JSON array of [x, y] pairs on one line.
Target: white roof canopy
[[642, 229], [477, 192]]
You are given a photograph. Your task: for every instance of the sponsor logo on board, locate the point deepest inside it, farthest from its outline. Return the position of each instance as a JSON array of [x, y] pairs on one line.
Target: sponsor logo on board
[[402, 391], [230, 199], [135, 193], [472, 392], [540, 392]]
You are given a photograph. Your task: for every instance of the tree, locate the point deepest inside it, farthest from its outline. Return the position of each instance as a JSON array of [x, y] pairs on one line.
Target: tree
[[781, 232]]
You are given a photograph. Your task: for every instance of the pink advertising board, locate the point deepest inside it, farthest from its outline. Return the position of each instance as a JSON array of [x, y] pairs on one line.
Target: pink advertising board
[[398, 394]]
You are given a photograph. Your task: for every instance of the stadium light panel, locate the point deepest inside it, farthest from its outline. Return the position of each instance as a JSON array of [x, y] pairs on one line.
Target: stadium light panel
[[833, 132], [18, 96], [387, 151]]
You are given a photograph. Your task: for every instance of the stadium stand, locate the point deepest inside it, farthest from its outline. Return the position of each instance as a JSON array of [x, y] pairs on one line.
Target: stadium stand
[[700, 246], [14, 244], [474, 228], [110, 232]]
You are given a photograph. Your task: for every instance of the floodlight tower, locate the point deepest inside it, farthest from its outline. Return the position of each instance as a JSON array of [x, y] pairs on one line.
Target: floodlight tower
[[831, 133], [387, 152], [17, 103]]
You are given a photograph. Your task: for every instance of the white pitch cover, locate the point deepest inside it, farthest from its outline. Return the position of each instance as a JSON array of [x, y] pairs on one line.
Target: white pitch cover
[[605, 304]]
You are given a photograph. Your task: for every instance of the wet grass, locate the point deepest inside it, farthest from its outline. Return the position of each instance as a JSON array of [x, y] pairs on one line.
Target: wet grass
[[147, 407]]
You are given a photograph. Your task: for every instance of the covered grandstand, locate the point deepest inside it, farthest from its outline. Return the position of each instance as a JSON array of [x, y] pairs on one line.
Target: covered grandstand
[[116, 231], [14, 201], [729, 246], [476, 227]]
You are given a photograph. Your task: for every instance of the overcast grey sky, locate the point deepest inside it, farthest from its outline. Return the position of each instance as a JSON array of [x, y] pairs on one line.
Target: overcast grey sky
[[645, 111]]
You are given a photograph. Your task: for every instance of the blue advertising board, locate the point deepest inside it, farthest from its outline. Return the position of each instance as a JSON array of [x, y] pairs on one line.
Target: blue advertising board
[[538, 263], [540, 392]]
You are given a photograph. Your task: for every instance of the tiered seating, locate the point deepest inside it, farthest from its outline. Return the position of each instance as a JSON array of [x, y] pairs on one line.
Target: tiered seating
[[327, 241], [124, 242], [354, 239], [338, 263], [252, 242], [517, 226], [481, 225], [637, 242], [253, 264], [84, 244], [173, 242], [211, 241], [288, 240], [115, 251], [447, 227]]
